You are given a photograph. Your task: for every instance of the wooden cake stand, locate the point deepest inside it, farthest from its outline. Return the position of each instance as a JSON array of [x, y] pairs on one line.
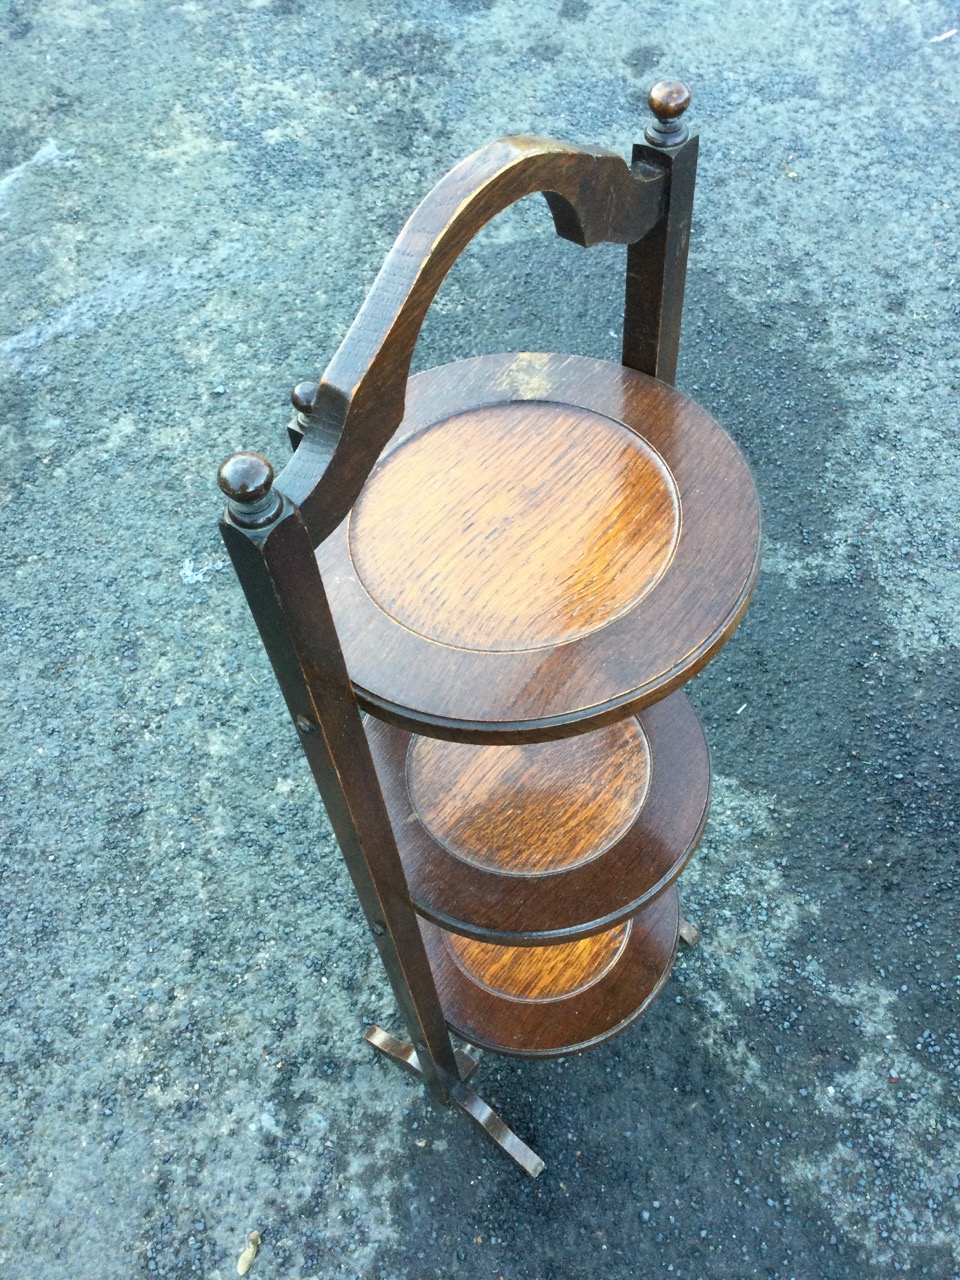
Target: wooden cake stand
[[512, 563]]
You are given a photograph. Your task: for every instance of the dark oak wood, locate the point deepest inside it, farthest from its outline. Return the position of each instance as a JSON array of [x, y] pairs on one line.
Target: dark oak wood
[[556, 840], [405, 1055], [668, 100], [593, 195], [534, 1002], [494, 1127], [657, 263], [277, 569], [650, 503], [657, 268]]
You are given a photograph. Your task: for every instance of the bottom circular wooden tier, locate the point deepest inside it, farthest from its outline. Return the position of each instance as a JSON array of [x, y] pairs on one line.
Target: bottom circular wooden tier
[[540, 1002]]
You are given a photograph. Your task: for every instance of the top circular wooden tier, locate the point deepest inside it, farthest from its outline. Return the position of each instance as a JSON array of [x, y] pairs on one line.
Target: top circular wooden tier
[[548, 543]]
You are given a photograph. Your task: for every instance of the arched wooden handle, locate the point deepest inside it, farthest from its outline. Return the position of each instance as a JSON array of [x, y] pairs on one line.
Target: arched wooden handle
[[594, 196]]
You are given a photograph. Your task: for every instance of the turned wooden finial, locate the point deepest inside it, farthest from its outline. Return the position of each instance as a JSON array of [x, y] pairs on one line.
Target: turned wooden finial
[[668, 100], [303, 397], [247, 480]]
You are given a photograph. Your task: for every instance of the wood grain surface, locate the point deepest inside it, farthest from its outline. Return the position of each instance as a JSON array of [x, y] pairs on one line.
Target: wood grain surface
[[524, 852], [521, 525], [534, 808], [528, 1027], [662, 635], [539, 973]]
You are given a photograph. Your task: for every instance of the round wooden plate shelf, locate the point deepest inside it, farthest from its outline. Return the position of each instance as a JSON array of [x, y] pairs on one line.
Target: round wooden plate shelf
[[535, 1002], [524, 843], [547, 544]]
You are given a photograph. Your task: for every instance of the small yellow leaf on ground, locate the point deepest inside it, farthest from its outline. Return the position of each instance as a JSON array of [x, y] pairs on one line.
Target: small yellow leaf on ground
[[245, 1261]]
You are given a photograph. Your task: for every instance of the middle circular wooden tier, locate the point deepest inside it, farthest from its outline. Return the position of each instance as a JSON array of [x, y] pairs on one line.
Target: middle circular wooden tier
[[503, 843], [547, 544]]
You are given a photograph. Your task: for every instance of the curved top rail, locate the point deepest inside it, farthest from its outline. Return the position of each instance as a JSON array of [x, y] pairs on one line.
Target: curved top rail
[[594, 196]]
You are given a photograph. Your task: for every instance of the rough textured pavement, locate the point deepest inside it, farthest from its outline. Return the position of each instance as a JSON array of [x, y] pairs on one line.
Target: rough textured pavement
[[193, 199]]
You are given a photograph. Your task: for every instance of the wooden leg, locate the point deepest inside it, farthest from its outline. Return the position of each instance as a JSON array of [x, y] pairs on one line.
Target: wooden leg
[[404, 1054]]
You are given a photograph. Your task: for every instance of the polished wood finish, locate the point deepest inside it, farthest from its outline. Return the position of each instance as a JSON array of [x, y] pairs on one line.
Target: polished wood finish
[[277, 569], [593, 195], [432, 675], [668, 99], [514, 526], [246, 479], [495, 1129], [539, 973], [404, 1055], [541, 1022], [531, 809], [563, 875]]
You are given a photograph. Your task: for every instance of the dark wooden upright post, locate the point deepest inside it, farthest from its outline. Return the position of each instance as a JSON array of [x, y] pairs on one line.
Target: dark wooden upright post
[[274, 558], [657, 264]]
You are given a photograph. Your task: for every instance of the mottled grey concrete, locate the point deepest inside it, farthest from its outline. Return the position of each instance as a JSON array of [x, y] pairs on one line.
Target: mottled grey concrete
[[193, 198]]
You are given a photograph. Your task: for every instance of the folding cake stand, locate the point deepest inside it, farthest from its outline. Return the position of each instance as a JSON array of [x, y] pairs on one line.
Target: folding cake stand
[[511, 563]]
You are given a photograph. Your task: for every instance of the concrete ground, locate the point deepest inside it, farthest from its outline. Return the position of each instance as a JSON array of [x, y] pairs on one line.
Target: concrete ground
[[193, 199]]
